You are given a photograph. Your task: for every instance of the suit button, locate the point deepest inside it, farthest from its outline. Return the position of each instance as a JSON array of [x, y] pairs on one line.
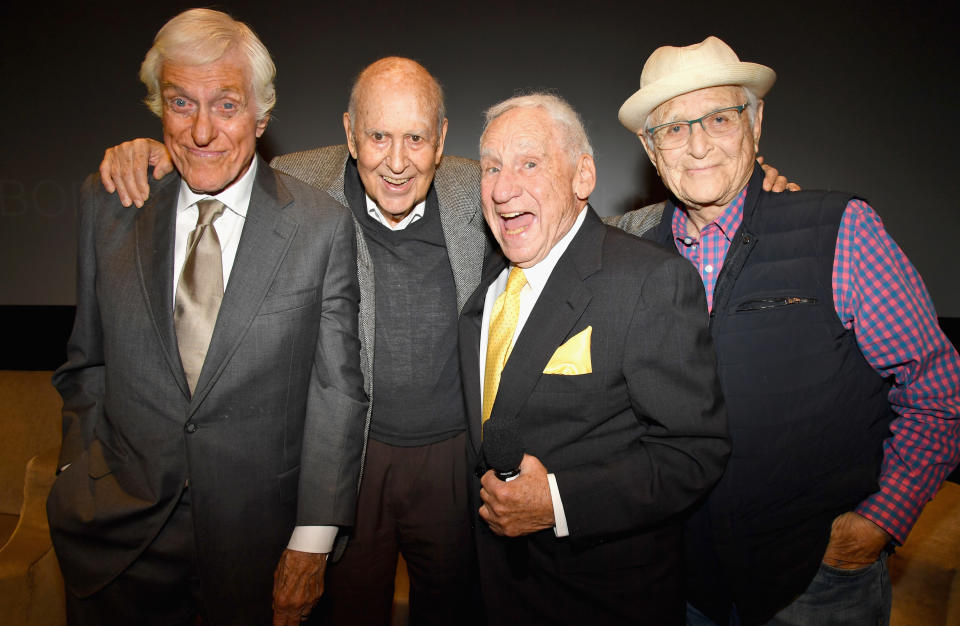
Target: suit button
[[191, 427]]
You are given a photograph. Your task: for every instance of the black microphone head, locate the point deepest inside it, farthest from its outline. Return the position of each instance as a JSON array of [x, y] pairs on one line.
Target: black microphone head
[[502, 447]]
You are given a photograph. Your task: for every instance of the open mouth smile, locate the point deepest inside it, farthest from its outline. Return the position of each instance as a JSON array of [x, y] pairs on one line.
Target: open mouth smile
[[516, 222]]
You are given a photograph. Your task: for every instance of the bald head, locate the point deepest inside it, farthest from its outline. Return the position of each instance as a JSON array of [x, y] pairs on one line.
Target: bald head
[[395, 129], [393, 73]]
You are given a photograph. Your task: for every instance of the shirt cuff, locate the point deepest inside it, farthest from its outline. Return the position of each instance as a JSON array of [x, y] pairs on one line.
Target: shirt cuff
[[317, 539], [559, 518]]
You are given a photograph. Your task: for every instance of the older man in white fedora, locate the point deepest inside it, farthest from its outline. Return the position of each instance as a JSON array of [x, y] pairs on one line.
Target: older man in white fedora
[[843, 394]]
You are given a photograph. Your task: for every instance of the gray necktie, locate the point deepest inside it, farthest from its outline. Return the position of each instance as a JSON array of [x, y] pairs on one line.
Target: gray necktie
[[199, 291]]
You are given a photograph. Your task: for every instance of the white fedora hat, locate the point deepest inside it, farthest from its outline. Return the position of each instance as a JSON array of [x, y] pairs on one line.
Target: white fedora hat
[[671, 71]]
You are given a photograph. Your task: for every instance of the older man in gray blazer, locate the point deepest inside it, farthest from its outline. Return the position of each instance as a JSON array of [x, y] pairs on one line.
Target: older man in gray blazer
[[420, 232]]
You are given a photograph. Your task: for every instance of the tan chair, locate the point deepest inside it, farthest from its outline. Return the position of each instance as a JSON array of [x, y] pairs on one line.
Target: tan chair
[[925, 572], [400, 615], [31, 587]]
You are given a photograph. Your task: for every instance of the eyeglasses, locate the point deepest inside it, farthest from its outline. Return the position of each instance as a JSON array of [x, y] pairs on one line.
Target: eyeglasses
[[717, 123]]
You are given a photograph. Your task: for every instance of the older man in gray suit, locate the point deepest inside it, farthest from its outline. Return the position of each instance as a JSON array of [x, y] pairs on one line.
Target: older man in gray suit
[[213, 396]]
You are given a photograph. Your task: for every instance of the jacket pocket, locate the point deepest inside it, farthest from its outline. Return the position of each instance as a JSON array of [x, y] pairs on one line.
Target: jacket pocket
[[289, 484], [97, 465]]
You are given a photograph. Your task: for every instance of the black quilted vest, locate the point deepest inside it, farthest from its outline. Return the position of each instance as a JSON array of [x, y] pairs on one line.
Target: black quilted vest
[[807, 414]]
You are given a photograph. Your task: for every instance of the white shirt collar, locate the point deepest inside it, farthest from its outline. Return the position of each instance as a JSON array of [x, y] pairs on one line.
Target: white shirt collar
[[411, 217], [538, 275], [236, 197]]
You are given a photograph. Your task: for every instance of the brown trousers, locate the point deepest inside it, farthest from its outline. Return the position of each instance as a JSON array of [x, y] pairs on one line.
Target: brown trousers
[[413, 500]]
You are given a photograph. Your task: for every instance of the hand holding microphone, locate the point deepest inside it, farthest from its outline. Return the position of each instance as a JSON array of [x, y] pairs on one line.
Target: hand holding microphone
[[515, 491], [502, 450]]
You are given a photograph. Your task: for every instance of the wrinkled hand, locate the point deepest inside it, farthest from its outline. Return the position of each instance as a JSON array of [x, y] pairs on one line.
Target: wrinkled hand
[[124, 169], [520, 506], [855, 542], [297, 585], [773, 181]]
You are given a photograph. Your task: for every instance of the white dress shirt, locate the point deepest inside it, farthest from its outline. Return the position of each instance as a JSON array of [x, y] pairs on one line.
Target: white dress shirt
[[537, 277], [374, 212], [229, 226]]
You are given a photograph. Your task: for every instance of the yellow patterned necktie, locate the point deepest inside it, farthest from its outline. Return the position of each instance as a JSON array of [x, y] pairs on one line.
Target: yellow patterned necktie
[[503, 323], [199, 291]]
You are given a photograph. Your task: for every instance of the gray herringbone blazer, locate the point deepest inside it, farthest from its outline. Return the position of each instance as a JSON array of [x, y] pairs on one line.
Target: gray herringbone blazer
[[638, 221]]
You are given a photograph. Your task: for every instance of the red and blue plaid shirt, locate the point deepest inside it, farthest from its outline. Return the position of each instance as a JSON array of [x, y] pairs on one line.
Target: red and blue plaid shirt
[[879, 294]]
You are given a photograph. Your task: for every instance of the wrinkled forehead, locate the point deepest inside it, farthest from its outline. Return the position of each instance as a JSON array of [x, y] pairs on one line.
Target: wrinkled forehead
[[230, 72], [693, 104], [526, 131], [384, 99]]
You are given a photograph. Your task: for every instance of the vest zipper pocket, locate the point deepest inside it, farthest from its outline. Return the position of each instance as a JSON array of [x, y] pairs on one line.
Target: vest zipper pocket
[[773, 303]]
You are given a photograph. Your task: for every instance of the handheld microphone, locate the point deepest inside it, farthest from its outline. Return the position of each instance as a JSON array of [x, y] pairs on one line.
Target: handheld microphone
[[502, 449]]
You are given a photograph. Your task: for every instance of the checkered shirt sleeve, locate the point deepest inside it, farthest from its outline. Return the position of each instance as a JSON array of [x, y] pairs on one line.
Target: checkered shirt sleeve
[[879, 294]]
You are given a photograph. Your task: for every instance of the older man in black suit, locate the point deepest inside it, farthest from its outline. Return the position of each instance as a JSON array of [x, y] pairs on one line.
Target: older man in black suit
[[586, 353]]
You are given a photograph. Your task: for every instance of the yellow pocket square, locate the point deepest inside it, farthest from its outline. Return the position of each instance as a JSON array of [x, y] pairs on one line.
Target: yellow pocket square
[[573, 357]]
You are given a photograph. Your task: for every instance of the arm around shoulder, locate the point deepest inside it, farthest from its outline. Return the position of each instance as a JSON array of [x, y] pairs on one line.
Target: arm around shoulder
[[638, 221]]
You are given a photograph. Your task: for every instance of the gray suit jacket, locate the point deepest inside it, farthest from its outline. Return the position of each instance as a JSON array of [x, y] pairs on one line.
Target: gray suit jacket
[[272, 436], [457, 182]]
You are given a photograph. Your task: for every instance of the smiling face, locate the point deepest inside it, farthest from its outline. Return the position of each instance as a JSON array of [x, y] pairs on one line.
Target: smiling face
[[532, 189], [707, 172], [395, 138], [209, 121]]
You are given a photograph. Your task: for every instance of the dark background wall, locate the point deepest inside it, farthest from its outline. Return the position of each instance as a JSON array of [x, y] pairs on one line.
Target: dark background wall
[[865, 100]]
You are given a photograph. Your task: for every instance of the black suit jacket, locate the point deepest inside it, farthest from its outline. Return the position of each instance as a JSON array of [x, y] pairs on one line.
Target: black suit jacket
[[278, 409], [634, 443]]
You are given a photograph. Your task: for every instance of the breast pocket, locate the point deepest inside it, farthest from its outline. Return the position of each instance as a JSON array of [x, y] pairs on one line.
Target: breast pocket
[[768, 303], [280, 302], [566, 383], [777, 339]]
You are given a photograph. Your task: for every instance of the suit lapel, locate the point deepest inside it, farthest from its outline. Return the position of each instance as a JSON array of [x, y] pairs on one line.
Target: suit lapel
[[465, 235], [335, 189], [558, 309], [155, 237], [267, 234]]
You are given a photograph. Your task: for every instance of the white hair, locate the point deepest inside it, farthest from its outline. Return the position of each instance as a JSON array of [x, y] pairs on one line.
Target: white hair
[[201, 36], [574, 134]]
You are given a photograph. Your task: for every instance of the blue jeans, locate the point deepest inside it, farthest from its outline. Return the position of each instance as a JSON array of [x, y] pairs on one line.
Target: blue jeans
[[835, 597]]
